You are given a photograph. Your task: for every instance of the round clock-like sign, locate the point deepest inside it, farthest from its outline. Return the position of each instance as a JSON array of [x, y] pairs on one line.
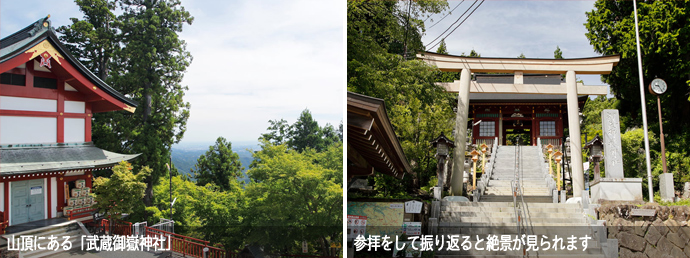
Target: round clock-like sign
[[658, 86]]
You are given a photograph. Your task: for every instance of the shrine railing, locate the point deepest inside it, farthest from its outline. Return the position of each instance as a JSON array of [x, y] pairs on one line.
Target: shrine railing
[[190, 246], [117, 227], [79, 213]]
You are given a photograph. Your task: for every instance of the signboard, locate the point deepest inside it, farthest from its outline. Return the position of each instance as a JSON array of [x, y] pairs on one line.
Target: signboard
[[36, 190], [356, 225], [396, 206], [412, 228], [305, 248], [643, 212], [413, 207]]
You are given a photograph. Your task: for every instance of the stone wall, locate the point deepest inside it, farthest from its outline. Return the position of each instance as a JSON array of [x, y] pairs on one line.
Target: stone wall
[[666, 234]]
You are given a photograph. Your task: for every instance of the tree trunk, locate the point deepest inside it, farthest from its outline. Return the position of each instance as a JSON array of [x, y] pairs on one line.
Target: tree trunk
[[148, 194]]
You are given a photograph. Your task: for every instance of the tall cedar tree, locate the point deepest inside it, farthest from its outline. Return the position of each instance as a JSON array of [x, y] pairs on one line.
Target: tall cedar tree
[[147, 64], [94, 39], [664, 35], [219, 165]]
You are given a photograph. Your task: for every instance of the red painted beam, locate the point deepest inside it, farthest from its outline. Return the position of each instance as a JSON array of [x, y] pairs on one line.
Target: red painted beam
[[83, 80], [41, 114], [23, 91], [14, 62]]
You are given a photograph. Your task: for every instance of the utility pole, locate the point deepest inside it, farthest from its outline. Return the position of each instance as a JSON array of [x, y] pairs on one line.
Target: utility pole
[[644, 109]]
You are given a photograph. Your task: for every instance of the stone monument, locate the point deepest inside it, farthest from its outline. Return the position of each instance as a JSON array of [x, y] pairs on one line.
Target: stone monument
[[666, 187], [614, 185]]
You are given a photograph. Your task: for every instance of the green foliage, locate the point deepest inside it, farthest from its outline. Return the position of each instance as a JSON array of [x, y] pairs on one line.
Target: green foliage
[[295, 196], [93, 40], [442, 48], [521, 56], [121, 192], [634, 164], [222, 214], [184, 213], [139, 53], [664, 34], [418, 109], [219, 166], [558, 54], [304, 133]]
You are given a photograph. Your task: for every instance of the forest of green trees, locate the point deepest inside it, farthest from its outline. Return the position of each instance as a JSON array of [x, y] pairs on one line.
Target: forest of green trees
[[295, 189]]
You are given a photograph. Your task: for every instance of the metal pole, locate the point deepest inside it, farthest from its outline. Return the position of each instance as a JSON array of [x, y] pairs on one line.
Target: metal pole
[[661, 132], [170, 175], [644, 109]]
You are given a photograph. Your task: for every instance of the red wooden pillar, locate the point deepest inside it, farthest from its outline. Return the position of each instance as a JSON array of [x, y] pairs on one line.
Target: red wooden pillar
[[88, 177], [60, 193], [61, 111], [29, 83], [6, 214], [87, 123], [49, 188]]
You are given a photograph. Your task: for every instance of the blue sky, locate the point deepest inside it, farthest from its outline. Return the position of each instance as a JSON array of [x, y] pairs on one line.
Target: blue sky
[[254, 61], [509, 28]]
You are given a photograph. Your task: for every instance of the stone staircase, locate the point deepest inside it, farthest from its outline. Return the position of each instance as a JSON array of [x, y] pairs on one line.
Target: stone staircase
[[532, 178], [70, 229], [495, 213]]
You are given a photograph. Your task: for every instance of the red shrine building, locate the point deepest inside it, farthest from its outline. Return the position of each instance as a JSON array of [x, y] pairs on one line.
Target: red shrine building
[[47, 100]]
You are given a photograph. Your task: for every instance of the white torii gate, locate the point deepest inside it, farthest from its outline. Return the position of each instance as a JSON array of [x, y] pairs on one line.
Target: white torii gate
[[520, 66]]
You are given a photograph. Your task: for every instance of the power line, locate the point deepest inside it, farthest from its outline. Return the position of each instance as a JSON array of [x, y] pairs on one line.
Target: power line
[[451, 11], [463, 21], [456, 21]]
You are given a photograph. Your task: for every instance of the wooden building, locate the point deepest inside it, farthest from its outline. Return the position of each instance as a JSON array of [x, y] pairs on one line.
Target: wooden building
[[371, 142], [531, 116], [47, 99]]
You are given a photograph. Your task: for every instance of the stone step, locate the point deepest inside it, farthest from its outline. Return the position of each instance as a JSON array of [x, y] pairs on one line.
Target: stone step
[[552, 231], [510, 209], [510, 204], [522, 182], [510, 178], [590, 252], [530, 220], [504, 193], [74, 238], [528, 199], [510, 214], [509, 224]]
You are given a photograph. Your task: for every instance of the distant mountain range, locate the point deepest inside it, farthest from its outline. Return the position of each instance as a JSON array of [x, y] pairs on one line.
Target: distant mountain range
[[184, 155]]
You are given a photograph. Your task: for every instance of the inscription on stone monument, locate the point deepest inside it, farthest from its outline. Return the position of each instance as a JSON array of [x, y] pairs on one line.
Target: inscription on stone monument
[[613, 159]]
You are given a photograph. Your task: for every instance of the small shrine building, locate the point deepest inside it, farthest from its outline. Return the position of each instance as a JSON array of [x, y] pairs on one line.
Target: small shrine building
[[47, 99]]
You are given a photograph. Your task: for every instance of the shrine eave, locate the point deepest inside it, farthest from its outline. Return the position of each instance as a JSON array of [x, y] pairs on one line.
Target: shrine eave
[[23, 40], [371, 137], [26, 159]]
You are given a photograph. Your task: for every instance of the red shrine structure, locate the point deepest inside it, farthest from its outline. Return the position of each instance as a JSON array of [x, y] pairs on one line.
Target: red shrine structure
[[531, 116], [47, 98]]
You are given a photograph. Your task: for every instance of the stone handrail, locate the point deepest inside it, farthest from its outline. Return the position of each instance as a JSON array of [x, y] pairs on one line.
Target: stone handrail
[[484, 180], [550, 183]]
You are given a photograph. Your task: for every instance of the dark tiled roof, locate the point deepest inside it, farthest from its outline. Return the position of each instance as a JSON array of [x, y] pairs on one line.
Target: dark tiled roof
[[28, 37], [22, 159]]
